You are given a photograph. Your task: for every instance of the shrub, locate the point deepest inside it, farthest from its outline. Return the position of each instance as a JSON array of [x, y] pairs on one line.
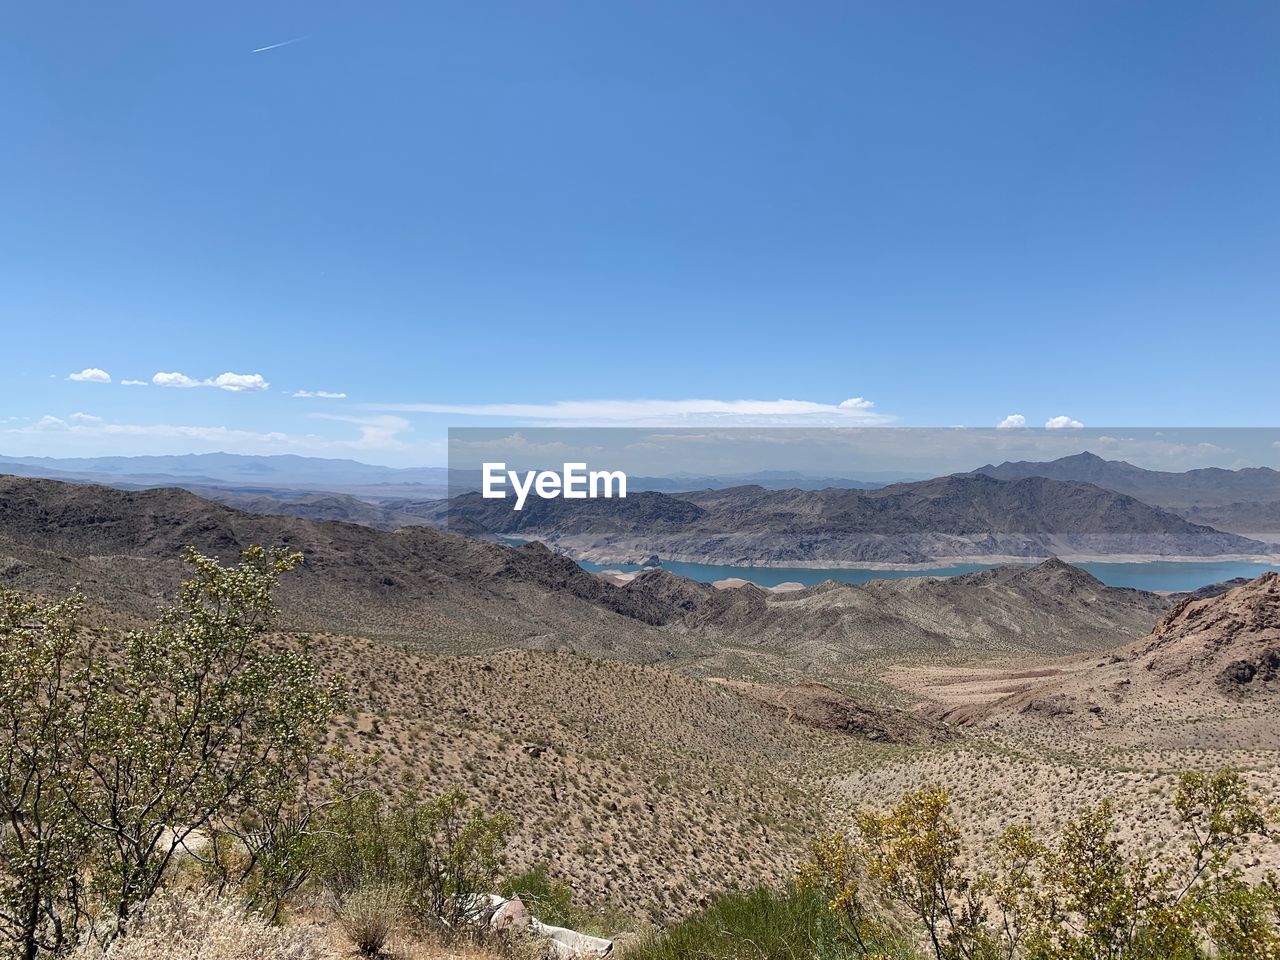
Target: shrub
[[764, 924], [551, 901], [368, 915], [114, 755], [1082, 897], [443, 854]]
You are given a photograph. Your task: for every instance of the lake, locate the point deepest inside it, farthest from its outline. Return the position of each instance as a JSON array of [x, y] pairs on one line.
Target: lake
[[1155, 575]]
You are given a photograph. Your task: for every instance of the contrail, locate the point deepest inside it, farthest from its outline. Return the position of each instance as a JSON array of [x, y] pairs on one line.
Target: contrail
[[272, 46]]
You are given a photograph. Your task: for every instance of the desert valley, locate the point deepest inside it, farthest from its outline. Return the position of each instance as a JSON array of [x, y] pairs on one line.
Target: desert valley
[[659, 743]]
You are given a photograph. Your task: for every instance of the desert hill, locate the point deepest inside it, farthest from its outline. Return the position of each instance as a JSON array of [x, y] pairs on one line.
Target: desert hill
[[448, 593], [1207, 675], [419, 585], [1230, 643], [659, 740], [647, 790], [969, 515]]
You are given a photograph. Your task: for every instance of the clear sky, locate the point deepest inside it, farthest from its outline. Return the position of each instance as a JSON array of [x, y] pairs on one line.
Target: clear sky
[[607, 212]]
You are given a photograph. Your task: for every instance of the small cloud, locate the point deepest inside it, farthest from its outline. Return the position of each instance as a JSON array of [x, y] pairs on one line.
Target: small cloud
[[1014, 421], [318, 395], [174, 380], [133, 383], [231, 382], [84, 418], [48, 423], [90, 375], [856, 403], [1063, 423]]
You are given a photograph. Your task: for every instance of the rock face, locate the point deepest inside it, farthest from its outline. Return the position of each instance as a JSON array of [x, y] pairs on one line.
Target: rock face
[[1231, 641], [1205, 660]]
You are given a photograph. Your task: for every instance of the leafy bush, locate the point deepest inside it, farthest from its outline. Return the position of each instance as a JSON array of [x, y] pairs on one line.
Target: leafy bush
[[441, 854], [1079, 898], [115, 758]]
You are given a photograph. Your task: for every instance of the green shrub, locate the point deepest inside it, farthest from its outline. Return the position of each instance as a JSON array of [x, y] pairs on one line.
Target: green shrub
[[764, 924], [118, 754], [442, 854]]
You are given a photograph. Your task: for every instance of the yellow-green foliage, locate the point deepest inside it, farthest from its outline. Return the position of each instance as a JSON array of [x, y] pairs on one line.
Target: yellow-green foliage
[[1081, 896]]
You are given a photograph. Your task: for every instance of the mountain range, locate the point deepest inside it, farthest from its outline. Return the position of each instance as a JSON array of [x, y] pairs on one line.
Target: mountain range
[[962, 515], [1207, 487], [449, 593]]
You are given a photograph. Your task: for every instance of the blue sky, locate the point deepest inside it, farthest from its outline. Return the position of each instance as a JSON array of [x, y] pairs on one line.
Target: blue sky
[[539, 213]]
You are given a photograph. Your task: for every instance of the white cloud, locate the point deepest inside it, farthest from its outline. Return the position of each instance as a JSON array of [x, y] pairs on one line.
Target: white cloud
[[174, 380], [84, 418], [1014, 421], [133, 383], [231, 382], [240, 382], [91, 375], [1063, 423], [376, 433], [318, 395], [855, 411]]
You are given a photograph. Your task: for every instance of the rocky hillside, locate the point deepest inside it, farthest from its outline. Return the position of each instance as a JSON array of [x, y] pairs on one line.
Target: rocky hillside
[[420, 585], [1207, 675], [1230, 643], [969, 515]]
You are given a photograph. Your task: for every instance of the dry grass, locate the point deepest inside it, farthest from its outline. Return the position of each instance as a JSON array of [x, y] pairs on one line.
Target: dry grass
[[182, 926]]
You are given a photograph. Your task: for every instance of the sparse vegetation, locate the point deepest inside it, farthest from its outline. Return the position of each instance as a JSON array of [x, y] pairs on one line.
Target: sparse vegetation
[[1081, 897], [208, 752]]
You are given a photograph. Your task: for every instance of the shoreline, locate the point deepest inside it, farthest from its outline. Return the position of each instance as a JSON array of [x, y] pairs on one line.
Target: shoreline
[[946, 563]]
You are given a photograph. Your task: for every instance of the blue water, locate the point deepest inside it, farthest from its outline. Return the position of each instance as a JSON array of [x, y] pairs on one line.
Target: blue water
[[1156, 575]]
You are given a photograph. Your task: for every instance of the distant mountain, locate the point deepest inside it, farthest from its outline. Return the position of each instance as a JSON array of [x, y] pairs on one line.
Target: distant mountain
[[965, 515], [1246, 500], [316, 506], [230, 470], [254, 483], [769, 479]]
